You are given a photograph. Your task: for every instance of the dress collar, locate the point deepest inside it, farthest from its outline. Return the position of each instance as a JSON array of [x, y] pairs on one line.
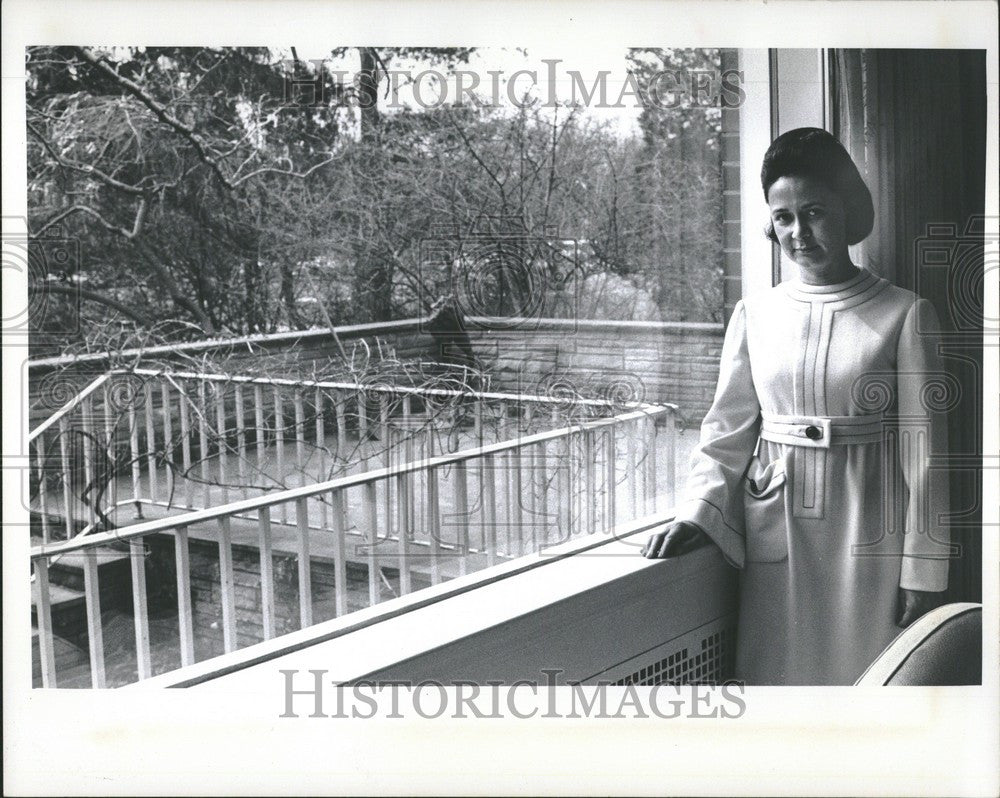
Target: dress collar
[[858, 284]]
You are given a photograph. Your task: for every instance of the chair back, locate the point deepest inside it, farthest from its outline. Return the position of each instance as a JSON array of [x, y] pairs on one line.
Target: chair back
[[943, 647]]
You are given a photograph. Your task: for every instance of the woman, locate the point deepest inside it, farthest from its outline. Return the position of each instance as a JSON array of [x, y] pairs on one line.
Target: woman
[[812, 473]]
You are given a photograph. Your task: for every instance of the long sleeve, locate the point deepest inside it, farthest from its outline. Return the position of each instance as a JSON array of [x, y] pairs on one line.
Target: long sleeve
[[713, 497], [924, 393]]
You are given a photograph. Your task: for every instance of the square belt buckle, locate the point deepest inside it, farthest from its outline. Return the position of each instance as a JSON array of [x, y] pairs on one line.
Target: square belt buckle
[[815, 433]]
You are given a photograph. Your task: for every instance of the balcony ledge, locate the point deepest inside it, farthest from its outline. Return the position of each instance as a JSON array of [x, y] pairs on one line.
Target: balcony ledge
[[594, 607]]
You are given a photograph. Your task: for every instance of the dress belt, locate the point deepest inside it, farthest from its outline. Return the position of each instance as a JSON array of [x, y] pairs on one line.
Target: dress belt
[[820, 432]]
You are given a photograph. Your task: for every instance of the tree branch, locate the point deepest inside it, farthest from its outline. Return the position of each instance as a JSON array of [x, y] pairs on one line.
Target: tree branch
[[86, 169], [160, 112], [131, 235], [52, 287], [287, 172]]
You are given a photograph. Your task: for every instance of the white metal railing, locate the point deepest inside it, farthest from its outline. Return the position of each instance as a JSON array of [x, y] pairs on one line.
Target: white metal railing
[[176, 441], [580, 478], [448, 633], [50, 445]]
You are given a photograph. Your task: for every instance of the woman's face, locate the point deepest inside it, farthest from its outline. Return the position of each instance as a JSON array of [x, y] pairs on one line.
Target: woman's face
[[810, 224]]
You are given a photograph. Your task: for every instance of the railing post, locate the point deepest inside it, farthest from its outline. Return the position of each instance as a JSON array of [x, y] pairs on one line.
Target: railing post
[[480, 472], [541, 472], [362, 425], [279, 440], [300, 437], [403, 509], [266, 555], [339, 554], [39, 444], [566, 489], [488, 497], [95, 632], [371, 533], [183, 398], [505, 461], [408, 449], [168, 437], [338, 408], [228, 588], [147, 390], [611, 477], [461, 516], [67, 477], [305, 570], [321, 450], [590, 480], [88, 458], [434, 524], [110, 446], [260, 433], [517, 498], [206, 494], [383, 424], [241, 440], [631, 433], [220, 429], [387, 484], [43, 613], [529, 492], [140, 607], [185, 610]]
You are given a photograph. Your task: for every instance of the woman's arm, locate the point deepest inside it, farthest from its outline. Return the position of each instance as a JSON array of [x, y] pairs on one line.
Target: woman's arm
[[923, 389], [713, 504]]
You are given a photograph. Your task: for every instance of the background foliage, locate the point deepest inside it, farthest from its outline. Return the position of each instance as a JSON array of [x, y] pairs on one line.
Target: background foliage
[[197, 196]]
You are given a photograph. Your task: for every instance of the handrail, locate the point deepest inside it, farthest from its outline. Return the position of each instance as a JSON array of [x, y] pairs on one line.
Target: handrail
[[305, 492], [354, 331], [260, 339], [325, 631], [71, 405], [516, 323], [402, 389]]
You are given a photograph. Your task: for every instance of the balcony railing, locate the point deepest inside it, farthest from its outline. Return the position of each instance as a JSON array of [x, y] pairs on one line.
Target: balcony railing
[[421, 517], [590, 611], [158, 442]]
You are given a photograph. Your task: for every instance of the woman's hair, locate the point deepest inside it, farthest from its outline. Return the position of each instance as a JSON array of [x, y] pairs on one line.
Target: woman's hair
[[814, 153]]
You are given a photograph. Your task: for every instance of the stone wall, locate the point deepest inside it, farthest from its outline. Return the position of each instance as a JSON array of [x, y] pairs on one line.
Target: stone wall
[[647, 361], [652, 361]]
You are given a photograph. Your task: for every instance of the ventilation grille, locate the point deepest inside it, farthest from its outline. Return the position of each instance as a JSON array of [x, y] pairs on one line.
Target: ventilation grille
[[702, 656]]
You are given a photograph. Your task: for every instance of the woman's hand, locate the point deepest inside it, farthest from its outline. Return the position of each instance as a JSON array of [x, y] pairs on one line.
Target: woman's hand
[[678, 538], [914, 603]]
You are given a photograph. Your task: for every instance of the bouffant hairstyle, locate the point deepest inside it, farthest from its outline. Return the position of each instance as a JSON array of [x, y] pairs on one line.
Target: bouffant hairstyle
[[814, 153]]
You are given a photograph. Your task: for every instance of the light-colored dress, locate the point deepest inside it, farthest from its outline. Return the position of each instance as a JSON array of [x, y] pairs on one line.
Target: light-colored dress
[[814, 473]]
